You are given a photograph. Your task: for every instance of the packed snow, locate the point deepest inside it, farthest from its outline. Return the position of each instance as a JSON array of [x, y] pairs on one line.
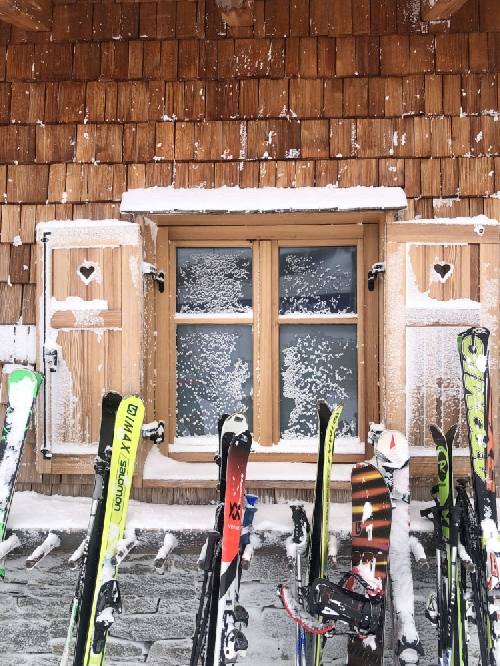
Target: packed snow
[[31, 510], [261, 199]]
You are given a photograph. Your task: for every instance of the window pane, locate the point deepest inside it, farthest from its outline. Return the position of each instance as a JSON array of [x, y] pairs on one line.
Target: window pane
[[214, 279], [319, 280], [214, 375], [317, 361]]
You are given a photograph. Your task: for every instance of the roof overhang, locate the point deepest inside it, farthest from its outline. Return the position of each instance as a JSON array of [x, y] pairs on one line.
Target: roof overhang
[[175, 201]]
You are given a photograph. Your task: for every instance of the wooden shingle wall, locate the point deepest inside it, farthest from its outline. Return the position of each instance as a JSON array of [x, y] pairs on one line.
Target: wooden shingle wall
[[133, 94]]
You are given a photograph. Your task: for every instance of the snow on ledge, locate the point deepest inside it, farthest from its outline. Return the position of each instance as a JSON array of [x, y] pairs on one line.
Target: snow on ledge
[[33, 511], [159, 466], [261, 199], [476, 221]]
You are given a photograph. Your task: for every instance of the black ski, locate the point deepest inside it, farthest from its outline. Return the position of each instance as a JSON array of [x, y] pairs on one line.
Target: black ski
[[82, 602]]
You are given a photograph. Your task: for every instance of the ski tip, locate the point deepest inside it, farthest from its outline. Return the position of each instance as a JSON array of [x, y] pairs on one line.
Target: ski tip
[[450, 434], [111, 398], [436, 431]]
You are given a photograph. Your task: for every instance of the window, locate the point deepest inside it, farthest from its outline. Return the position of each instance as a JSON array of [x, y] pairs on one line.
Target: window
[[266, 327]]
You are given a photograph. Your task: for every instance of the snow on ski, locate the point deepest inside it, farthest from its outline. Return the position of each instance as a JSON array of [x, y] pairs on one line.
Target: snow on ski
[[81, 604], [473, 351], [106, 596], [392, 457], [22, 389]]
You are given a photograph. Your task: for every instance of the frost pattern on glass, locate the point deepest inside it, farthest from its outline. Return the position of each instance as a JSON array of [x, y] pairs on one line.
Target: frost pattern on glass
[[213, 376], [215, 279], [319, 280], [317, 361], [434, 392]]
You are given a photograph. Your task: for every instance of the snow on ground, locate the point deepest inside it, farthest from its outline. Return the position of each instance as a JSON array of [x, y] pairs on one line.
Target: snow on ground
[[158, 611], [232, 199], [34, 511]]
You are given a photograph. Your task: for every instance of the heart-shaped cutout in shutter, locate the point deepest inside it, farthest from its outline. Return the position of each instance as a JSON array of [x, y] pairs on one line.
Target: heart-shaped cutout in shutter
[[443, 270], [86, 271]]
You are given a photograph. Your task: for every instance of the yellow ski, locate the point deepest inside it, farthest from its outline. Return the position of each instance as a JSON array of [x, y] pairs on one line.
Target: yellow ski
[[106, 599]]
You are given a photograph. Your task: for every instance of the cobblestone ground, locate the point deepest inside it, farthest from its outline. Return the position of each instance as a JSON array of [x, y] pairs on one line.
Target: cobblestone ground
[[157, 619]]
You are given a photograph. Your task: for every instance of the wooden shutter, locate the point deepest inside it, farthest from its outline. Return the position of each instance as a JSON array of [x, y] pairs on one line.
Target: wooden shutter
[[89, 329], [440, 279]]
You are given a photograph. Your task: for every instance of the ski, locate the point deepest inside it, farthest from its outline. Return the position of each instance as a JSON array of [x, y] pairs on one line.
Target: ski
[[452, 635], [22, 389], [318, 559], [82, 600], [473, 352], [297, 552], [106, 594], [371, 528], [209, 561], [392, 458], [229, 640]]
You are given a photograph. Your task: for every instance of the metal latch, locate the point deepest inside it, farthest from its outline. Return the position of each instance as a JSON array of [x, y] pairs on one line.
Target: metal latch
[[377, 268], [50, 357], [155, 431], [156, 275]]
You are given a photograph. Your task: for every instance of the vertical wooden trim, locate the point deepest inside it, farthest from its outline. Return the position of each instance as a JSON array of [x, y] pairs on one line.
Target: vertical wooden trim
[[256, 338], [132, 309], [163, 340], [394, 339], [171, 340], [371, 329], [148, 382], [275, 341], [264, 334], [490, 297], [360, 333]]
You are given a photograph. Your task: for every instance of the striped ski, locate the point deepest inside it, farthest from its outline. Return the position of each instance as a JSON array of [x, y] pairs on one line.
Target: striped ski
[[22, 389], [371, 529], [328, 422], [106, 597]]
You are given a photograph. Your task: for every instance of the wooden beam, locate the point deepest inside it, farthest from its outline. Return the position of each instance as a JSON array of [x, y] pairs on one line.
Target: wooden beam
[[27, 14], [236, 12], [435, 10]]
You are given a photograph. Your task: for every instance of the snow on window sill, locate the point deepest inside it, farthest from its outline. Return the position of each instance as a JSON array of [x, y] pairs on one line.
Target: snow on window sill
[[208, 444]]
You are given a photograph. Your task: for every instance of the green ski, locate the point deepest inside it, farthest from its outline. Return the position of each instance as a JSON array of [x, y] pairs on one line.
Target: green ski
[[22, 390]]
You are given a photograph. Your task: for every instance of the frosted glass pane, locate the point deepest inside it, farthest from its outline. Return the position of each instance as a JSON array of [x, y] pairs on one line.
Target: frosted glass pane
[[317, 361], [319, 280], [434, 391], [214, 375], [214, 279]]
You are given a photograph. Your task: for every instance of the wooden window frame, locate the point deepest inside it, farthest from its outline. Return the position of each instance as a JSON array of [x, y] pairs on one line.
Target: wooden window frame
[[265, 234]]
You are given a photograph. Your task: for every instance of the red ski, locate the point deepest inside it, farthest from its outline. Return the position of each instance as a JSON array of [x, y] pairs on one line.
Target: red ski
[[229, 640]]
